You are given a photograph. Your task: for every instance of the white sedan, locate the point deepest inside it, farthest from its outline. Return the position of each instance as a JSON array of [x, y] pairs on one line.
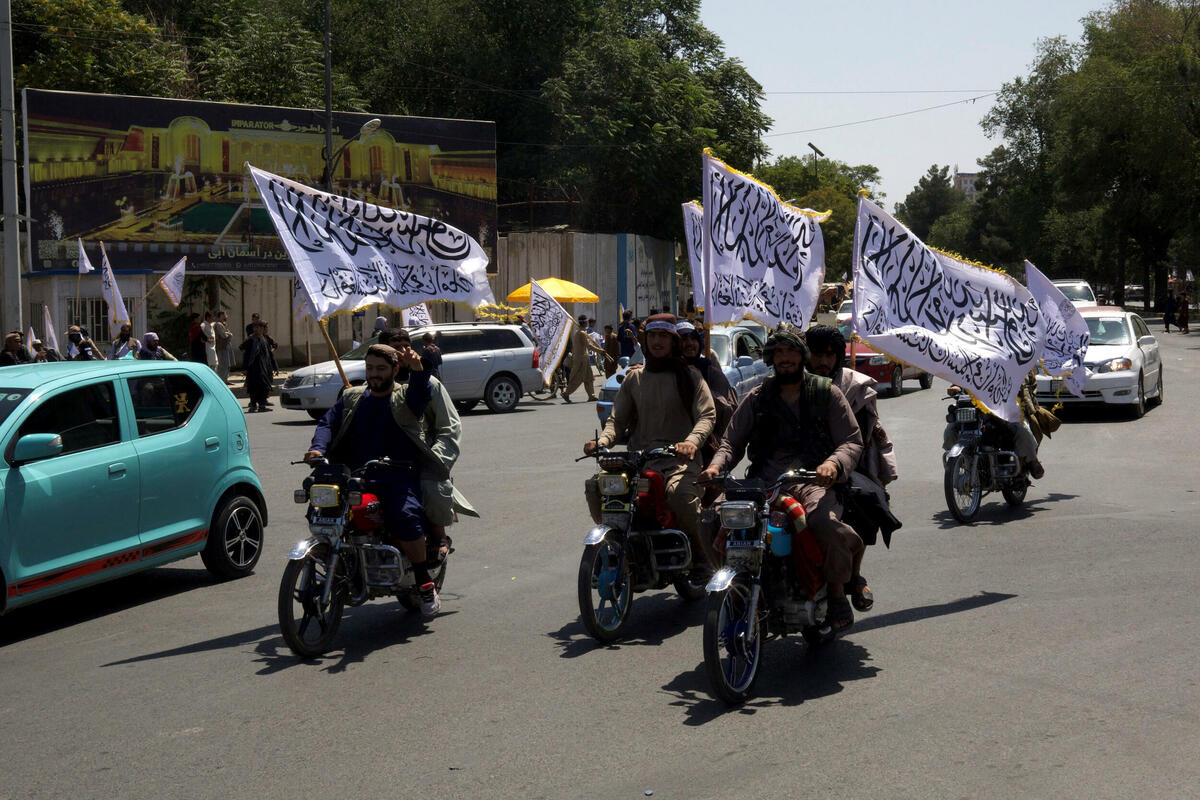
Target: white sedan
[[1124, 359]]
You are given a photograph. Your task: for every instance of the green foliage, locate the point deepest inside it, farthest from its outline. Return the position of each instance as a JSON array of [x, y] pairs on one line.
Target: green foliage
[[933, 197]]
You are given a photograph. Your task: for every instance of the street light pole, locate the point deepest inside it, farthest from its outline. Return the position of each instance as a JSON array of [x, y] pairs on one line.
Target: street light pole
[[816, 152], [328, 103], [11, 311]]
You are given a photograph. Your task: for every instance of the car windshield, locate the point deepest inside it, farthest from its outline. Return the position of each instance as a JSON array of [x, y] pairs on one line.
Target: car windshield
[[1108, 330], [720, 346], [847, 307], [1077, 291], [10, 399]]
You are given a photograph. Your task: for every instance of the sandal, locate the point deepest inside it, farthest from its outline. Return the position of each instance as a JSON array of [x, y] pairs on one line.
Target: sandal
[[445, 548], [840, 618], [860, 593]]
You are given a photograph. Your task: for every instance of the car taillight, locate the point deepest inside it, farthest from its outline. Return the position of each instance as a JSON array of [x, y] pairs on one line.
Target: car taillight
[[534, 365]]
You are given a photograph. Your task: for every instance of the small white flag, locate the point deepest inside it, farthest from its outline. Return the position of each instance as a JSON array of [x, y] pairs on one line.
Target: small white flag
[[551, 325], [29, 337], [85, 265], [117, 315], [1067, 336], [415, 316], [172, 282], [51, 337]]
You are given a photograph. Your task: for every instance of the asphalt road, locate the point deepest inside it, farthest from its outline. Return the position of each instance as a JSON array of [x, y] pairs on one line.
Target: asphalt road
[[1048, 651]]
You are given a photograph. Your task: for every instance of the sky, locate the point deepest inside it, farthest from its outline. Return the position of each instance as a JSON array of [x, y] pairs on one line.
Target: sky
[[826, 64]]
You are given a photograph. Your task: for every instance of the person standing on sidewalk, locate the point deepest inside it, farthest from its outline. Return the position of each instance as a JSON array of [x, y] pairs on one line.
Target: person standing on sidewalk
[[256, 360], [224, 344], [581, 370]]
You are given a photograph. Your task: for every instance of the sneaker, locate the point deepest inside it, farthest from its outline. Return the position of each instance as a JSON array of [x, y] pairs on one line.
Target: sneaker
[[431, 604]]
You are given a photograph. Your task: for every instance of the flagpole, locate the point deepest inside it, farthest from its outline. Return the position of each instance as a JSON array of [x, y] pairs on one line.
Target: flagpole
[[139, 302], [78, 277], [337, 361]]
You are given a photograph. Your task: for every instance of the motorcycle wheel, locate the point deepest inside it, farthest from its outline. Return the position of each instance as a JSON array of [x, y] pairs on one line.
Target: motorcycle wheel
[[605, 593], [732, 644], [690, 585], [963, 491], [1014, 495], [307, 627]]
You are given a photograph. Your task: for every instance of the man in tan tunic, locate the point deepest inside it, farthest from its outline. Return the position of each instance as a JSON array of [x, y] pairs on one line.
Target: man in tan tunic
[[666, 403], [581, 370], [782, 431]]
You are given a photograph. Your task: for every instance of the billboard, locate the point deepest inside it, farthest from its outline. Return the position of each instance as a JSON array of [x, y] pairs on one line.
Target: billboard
[[156, 179]]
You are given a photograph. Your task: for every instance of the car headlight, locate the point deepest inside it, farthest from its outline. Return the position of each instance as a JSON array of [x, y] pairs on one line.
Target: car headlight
[[324, 495], [613, 484], [321, 377], [1115, 365], [738, 514], [878, 361]]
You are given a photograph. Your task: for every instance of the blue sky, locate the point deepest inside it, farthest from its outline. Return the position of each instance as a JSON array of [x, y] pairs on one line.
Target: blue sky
[[845, 49]]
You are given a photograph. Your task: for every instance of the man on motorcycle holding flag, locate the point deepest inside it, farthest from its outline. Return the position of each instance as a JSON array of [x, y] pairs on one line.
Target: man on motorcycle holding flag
[[796, 420], [667, 403], [724, 396], [383, 419]]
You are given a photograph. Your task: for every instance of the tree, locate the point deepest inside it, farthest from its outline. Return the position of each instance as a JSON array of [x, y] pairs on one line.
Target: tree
[[934, 196]]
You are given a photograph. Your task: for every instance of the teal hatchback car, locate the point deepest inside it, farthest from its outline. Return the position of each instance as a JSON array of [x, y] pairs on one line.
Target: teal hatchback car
[[111, 467]]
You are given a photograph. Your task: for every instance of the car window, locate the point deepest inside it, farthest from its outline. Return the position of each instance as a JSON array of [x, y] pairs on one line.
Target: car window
[[460, 341], [1140, 327], [720, 346], [1077, 291], [163, 402], [501, 339], [1108, 330], [85, 417], [10, 399]]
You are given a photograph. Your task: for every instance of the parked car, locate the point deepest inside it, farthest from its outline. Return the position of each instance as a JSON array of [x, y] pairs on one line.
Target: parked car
[[738, 349], [844, 312], [889, 374], [1078, 291], [1124, 358], [112, 467], [480, 361]]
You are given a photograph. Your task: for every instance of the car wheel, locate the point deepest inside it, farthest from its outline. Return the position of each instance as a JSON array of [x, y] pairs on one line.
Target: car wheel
[[897, 387], [465, 405], [1139, 408], [235, 539], [502, 393], [315, 414], [926, 380]]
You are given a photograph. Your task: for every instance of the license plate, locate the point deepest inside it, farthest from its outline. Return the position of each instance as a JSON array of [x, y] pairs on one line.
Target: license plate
[[325, 520]]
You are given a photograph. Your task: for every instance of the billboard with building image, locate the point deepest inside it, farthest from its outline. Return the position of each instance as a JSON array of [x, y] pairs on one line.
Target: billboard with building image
[[155, 179]]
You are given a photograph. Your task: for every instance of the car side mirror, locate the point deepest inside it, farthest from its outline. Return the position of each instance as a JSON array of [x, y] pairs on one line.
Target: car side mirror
[[1147, 340], [744, 361], [36, 446]]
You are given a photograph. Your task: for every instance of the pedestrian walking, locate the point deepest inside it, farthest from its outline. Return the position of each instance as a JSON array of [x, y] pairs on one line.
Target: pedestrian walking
[[124, 346], [152, 350], [209, 329], [1169, 311], [581, 370], [431, 355], [14, 351], [1184, 312], [613, 348], [258, 363], [196, 349], [224, 343]]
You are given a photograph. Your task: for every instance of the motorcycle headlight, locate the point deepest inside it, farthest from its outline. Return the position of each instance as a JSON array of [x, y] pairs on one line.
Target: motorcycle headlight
[[1115, 365], [613, 484], [324, 495], [878, 361], [738, 514]]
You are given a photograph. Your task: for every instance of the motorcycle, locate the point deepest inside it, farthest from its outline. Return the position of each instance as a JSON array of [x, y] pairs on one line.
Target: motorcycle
[[344, 561], [981, 460], [635, 546], [771, 584]]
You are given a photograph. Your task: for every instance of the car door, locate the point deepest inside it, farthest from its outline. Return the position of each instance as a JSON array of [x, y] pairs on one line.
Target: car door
[[74, 514], [465, 364], [182, 448], [1151, 358]]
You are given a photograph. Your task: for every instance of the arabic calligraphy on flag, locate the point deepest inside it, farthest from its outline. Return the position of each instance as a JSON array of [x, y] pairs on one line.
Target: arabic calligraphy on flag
[[117, 313], [1066, 336], [415, 316], [693, 231], [172, 282], [970, 325], [348, 254], [762, 258], [551, 325]]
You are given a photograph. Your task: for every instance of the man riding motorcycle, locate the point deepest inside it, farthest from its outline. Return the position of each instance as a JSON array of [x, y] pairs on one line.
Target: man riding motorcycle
[[383, 419], [1026, 433], [725, 398], [666, 403], [794, 420]]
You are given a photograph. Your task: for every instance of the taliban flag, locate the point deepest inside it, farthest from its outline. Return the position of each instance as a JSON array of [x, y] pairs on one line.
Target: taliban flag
[[763, 258], [117, 313], [415, 316], [971, 325], [51, 337], [551, 325], [85, 264], [693, 231], [1067, 335], [172, 282], [349, 254]]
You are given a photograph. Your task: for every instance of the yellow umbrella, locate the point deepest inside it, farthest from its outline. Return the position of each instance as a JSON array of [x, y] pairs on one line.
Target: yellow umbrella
[[560, 290]]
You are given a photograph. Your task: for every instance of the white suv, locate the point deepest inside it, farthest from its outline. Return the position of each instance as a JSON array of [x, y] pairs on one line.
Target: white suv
[[480, 361], [1078, 291]]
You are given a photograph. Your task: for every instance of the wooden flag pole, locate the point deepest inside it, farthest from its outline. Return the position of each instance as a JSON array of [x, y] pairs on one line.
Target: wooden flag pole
[[139, 302], [78, 277], [337, 361]]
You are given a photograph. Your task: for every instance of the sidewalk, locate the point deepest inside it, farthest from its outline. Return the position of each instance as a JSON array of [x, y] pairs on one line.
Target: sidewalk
[[237, 384]]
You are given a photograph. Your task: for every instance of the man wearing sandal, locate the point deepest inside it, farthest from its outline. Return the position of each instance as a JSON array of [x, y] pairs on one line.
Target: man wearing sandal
[[797, 420]]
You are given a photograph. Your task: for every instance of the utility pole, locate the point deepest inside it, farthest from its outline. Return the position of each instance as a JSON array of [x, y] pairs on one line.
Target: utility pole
[[8, 175], [328, 102]]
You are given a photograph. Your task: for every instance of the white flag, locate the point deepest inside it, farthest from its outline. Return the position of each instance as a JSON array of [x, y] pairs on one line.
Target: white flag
[[117, 314], [971, 325], [415, 316], [172, 282], [29, 337], [693, 231], [51, 336], [551, 326], [85, 265], [762, 258], [349, 254], [1066, 337]]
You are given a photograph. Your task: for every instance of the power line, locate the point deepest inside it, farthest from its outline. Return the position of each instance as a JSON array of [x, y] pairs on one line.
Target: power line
[[886, 116]]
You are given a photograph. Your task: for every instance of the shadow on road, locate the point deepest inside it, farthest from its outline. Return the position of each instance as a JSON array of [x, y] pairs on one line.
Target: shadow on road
[[1000, 512], [98, 601], [793, 672], [652, 620]]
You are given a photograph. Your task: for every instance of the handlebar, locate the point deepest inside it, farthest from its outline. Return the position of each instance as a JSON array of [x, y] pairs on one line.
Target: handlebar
[[789, 477], [637, 455]]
